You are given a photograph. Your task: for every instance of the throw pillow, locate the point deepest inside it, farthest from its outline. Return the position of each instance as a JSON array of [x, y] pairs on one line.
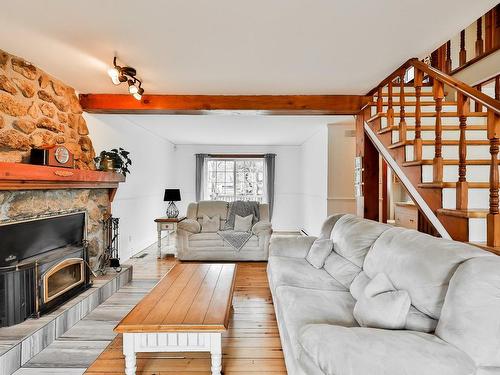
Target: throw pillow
[[318, 252], [243, 224], [381, 305], [210, 224]]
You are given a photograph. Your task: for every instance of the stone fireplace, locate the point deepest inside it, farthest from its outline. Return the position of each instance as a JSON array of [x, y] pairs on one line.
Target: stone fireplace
[[29, 204]]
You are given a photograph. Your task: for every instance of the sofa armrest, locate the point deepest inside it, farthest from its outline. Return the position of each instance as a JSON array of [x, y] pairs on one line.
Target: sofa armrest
[[292, 247], [262, 228], [189, 225]]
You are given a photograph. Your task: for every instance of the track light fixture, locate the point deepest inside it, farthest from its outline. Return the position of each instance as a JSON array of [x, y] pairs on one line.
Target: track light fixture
[[119, 74]]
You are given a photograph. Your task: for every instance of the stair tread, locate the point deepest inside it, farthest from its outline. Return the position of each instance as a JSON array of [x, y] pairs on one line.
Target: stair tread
[[446, 162], [424, 128], [482, 245], [451, 185], [469, 213]]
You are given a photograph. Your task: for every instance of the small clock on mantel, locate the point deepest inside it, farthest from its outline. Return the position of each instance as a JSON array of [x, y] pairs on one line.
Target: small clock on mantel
[[57, 156]]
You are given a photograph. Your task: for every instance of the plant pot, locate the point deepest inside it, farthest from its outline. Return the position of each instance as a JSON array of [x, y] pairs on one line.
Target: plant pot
[[107, 164]]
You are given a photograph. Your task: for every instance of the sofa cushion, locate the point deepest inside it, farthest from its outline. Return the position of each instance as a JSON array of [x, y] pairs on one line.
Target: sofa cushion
[[418, 263], [205, 240], [381, 305], [415, 320], [210, 224], [300, 307], [298, 272], [353, 236], [351, 351], [341, 269], [470, 318], [318, 252], [212, 208]]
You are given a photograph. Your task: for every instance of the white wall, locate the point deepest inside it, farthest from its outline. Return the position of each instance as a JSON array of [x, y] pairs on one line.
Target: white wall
[[287, 203], [139, 200], [341, 155], [314, 181]]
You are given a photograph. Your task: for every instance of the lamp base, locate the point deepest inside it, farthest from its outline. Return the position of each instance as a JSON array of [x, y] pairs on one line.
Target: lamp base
[[172, 210]]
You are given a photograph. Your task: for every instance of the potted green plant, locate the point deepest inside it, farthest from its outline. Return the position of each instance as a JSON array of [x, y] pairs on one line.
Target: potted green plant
[[114, 160]]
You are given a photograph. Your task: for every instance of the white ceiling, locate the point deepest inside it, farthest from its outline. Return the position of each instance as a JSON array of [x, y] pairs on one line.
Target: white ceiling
[[231, 46], [234, 129]]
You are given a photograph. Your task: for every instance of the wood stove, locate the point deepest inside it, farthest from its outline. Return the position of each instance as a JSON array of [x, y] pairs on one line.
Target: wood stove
[[43, 263]]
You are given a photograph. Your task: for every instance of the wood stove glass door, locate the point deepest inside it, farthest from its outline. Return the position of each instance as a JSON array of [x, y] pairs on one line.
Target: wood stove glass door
[[63, 277]]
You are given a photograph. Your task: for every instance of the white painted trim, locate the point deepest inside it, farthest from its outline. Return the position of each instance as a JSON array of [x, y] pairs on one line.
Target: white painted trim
[[135, 342], [341, 199], [407, 184]]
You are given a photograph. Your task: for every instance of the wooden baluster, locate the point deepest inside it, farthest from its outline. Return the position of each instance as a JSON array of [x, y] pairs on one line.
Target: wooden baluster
[[493, 217], [478, 107], [417, 145], [448, 57], [462, 185], [380, 103], [479, 37], [438, 157], [497, 87], [462, 56], [402, 120], [390, 109]]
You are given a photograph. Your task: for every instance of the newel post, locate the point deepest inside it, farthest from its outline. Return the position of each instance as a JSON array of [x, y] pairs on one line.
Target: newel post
[[437, 162], [462, 198], [493, 217]]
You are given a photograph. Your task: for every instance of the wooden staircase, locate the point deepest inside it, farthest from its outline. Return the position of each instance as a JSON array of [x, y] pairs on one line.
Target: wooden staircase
[[443, 135]]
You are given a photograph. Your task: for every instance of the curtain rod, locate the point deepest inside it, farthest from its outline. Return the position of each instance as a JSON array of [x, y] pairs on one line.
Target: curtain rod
[[236, 156]]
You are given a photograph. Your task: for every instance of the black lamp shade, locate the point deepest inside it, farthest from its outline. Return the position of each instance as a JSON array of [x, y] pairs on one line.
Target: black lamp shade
[[172, 195]]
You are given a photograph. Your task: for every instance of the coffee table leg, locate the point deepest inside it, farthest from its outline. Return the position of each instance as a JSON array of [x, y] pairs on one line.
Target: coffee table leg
[[129, 353], [216, 352]]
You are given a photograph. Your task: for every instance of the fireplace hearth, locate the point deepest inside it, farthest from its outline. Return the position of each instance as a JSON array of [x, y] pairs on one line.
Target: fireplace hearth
[[43, 263]]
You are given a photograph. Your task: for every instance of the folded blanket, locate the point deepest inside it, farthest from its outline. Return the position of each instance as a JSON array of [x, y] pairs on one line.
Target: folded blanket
[[235, 239], [242, 209]]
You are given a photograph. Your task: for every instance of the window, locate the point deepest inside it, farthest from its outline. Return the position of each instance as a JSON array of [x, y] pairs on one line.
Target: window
[[234, 179]]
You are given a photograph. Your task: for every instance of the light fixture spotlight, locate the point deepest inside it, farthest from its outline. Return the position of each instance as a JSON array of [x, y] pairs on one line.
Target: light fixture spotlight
[[119, 74]]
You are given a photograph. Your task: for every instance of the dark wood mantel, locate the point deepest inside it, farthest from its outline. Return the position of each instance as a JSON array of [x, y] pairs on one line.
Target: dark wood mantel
[[18, 176]]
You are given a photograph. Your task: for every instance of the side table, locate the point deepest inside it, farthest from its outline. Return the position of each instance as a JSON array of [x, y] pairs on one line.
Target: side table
[[170, 225]]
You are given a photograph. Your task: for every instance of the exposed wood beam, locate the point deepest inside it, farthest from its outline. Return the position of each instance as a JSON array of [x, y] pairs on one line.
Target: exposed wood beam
[[212, 104]]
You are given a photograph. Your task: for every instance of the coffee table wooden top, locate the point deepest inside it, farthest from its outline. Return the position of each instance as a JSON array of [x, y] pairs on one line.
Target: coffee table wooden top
[[190, 297]]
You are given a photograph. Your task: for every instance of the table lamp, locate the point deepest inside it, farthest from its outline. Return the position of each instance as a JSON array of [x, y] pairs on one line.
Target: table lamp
[[172, 195]]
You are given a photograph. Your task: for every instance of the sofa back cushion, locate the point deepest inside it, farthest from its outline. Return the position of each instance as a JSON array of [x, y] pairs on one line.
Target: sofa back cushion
[[211, 209], [264, 212], [420, 264], [353, 236], [341, 269], [470, 318]]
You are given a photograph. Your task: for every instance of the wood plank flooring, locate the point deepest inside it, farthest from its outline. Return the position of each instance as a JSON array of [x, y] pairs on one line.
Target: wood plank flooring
[[250, 346]]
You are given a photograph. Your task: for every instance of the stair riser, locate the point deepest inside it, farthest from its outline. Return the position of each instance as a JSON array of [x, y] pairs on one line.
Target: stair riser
[[407, 89], [454, 121], [474, 173], [451, 135], [478, 198], [411, 109], [450, 152], [477, 230]]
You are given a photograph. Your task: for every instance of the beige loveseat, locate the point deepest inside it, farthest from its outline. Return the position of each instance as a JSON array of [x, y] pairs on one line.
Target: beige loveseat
[[192, 244]]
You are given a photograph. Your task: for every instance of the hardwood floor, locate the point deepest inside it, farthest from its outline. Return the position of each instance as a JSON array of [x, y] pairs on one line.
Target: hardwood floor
[[250, 346]]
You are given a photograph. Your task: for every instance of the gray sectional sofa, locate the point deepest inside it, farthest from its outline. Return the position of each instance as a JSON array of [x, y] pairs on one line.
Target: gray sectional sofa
[[452, 327], [193, 244]]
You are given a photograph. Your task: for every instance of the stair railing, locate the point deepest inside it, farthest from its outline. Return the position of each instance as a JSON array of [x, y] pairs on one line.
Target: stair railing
[[465, 97]]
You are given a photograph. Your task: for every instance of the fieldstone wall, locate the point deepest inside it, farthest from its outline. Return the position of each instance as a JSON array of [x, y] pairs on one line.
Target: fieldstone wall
[[20, 205], [37, 110]]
